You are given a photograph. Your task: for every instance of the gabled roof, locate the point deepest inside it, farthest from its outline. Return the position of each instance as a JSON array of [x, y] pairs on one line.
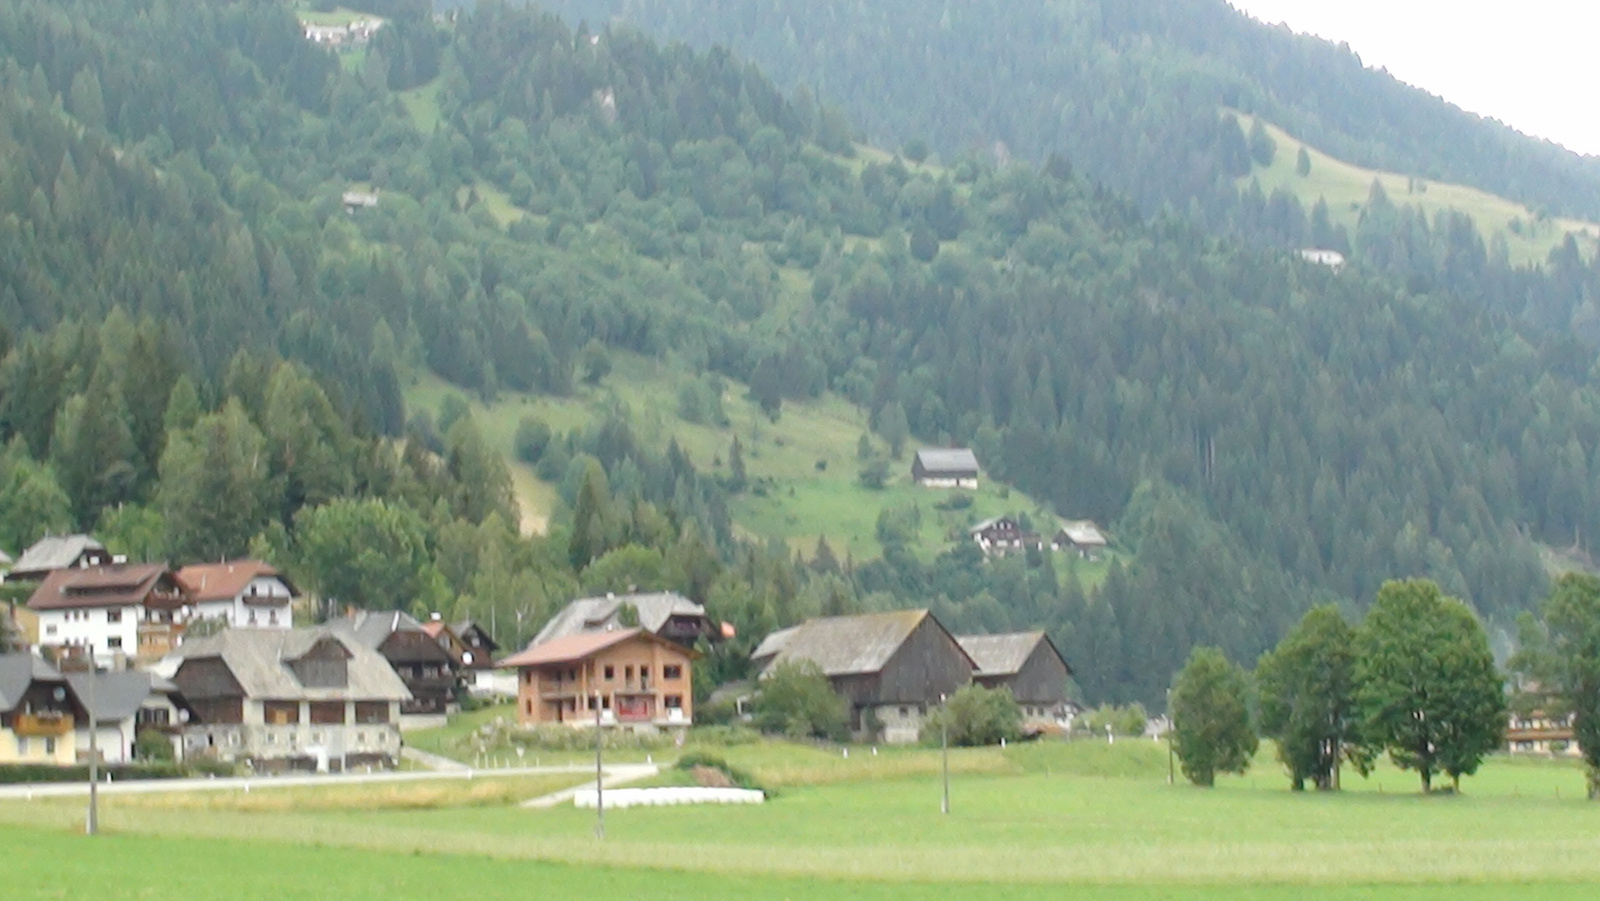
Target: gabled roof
[[1004, 655], [118, 695], [462, 628], [18, 671], [121, 585], [848, 645], [600, 613], [55, 552], [373, 627], [1084, 532], [947, 459], [259, 658], [773, 644], [226, 581], [581, 646]]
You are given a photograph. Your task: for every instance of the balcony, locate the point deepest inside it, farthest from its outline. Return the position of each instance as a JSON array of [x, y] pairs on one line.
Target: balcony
[[43, 725]]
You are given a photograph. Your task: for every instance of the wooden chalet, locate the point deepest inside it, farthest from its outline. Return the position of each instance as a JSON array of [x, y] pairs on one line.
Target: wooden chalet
[[1028, 664], [630, 678], [955, 467], [1081, 536], [1539, 732], [892, 667], [1003, 535], [426, 668]]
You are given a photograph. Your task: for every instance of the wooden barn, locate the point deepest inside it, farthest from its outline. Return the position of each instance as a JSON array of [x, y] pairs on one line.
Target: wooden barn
[[892, 667], [954, 467], [1027, 663]]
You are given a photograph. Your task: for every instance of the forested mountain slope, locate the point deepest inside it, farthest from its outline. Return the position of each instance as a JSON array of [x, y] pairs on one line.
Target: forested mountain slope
[[1262, 432]]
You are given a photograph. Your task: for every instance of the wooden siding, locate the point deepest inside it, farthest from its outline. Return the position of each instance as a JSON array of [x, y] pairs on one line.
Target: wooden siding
[[928, 664], [1041, 682], [207, 678], [326, 665]]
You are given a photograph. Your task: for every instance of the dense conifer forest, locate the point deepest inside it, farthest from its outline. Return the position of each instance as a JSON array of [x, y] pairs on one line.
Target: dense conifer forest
[[206, 353]]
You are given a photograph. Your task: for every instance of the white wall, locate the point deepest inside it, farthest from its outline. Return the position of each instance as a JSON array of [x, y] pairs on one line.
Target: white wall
[[92, 627]]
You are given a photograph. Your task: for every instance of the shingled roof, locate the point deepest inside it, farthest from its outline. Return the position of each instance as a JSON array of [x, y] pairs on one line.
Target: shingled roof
[[118, 695], [226, 581], [18, 671], [848, 645], [57, 552], [122, 585], [373, 627], [948, 460], [1001, 655], [259, 658], [600, 613]]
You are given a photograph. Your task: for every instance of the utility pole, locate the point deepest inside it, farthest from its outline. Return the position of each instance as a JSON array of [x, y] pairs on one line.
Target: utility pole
[[944, 752], [1170, 724], [92, 826], [599, 777]]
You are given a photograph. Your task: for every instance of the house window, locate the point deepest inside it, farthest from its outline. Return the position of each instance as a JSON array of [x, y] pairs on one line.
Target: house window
[[674, 702], [252, 617], [528, 705], [272, 617], [50, 629], [611, 672], [113, 616], [114, 642], [22, 747], [672, 672], [644, 673], [627, 672], [50, 746]]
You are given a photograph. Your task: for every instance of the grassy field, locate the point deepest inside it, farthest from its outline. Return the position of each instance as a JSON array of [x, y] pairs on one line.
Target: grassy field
[[1057, 820], [1346, 186], [803, 468]]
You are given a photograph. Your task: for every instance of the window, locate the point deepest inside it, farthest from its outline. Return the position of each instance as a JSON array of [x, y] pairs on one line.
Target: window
[[672, 672], [611, 672], [113, 616], [272, 617], [528, 706], [252, 617], [50, 746], [114, 642], [644, 673], [627, 672], [22, 747], [674, 702], [50, 629]]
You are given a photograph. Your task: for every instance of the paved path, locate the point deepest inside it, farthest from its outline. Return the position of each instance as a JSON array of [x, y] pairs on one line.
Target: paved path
[[150, 786], [621, 774], [433, 761]]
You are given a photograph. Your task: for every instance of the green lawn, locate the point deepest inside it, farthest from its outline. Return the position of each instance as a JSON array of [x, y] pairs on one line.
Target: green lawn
[[1057, 820], [1345, 187]]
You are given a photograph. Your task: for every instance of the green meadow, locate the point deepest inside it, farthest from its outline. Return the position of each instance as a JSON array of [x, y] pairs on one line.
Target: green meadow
[[1057, 820], [1529, 236]]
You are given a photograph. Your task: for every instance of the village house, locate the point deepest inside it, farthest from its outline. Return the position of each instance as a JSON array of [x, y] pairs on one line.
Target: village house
[[243, 594], [348, 34], [1030, 666], [37, 712], [425, 667], [115, 613], [631, 678], [892, 668], [665, 614], [955, 467], [126, 703], [471, 649], [1003, 535], [1082, 536], [289, 699], [1540, 732], [55, 552]]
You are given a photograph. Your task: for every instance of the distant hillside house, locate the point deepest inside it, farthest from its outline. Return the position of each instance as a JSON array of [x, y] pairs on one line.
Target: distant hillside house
[[304, 699], [244, 594], [1539, 732], [116, 613], [945, 468], [1082, 536], [891, 667], [55, 552], [1333, 259], [665, 614], [1028, 664], [359, 200], [629, 678], [349, 34], [1003, 535]]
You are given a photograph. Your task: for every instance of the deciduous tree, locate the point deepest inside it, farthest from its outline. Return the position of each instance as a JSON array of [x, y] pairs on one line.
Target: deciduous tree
[[1307, 687], [1211, 726]]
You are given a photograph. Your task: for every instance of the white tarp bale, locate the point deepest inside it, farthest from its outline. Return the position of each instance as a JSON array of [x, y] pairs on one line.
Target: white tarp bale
[[659, 797]]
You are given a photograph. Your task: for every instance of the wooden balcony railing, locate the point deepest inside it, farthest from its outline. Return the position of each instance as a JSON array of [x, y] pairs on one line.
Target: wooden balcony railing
[[42, 724]]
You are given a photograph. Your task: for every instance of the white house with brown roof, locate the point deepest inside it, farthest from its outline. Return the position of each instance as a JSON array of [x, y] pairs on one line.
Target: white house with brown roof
[[244, 594], [116, 613]]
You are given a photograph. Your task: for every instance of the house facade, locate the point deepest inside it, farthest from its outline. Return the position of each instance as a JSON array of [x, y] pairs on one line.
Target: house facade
[[1540, 732], [115, 613], [306, 699], [38, 712], [126, 703], [1029, 666], [955, 467], [631, 678], [892, 668], [242, 594], [426, 668]]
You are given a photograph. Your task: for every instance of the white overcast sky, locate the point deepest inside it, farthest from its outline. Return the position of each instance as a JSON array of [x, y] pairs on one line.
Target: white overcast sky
[[1532, 64]]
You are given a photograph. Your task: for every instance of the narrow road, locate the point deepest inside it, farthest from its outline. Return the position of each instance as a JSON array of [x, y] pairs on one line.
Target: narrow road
[[149, 786], [621, 774]]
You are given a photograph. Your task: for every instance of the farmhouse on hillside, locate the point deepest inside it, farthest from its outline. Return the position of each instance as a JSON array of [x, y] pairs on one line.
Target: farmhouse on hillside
[[631, 678], [1003, 535], [1082, 536], [891, 667], [37, 712], [955, 467], [244, 594], [665, 614], [279, 699], [1028, 664]]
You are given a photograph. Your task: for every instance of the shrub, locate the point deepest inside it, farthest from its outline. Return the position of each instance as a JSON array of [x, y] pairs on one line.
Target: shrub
[[153, 746], [977, 716], [532, 437], [699, 759], [798, 701]]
